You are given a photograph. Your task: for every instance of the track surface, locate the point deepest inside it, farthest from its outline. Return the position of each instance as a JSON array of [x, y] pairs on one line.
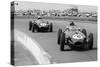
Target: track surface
[[48, 41]]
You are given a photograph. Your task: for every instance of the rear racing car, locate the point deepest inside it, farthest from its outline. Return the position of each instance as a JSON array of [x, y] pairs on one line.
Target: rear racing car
[[75, 38], [40, 25]]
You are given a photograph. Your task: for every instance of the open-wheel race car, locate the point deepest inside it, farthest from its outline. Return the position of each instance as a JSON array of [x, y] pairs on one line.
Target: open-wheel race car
[[74, 38], [40, 25]]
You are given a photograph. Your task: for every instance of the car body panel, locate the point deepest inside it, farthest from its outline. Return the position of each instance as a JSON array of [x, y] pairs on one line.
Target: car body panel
[[74, 35]]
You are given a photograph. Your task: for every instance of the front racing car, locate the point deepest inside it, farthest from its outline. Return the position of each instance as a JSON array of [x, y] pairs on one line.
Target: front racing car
[[75, 39]]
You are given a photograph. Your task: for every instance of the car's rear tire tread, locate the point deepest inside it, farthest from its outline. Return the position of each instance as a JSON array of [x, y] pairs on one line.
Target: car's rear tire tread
[[51, 27], [90, 40]]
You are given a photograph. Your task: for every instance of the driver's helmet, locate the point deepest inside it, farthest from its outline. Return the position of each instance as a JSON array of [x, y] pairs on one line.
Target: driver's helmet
[[39, 17], [72, 24]]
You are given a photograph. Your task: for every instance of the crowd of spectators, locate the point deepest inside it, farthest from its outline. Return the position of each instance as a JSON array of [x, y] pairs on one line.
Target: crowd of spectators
[[68, 12]]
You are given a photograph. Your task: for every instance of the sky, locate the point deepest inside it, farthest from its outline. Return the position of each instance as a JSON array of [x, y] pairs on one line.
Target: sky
[[48, 6]]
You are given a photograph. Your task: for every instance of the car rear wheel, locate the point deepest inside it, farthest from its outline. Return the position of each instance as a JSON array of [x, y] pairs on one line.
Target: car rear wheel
[[62, 42], [59, 36], [90, 41], [84, 32], [51, 27], [85, 44], [33, 28]]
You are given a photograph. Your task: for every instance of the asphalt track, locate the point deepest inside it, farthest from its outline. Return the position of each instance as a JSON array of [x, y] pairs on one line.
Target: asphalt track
[[35, 52], [48, 41]]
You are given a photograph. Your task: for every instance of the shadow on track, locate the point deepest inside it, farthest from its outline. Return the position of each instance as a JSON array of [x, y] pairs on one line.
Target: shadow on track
[[44, 32], [79, 50]]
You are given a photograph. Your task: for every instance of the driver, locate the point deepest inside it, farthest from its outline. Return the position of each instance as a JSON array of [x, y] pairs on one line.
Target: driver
[[39, 18], [38, 21], [72, 24]]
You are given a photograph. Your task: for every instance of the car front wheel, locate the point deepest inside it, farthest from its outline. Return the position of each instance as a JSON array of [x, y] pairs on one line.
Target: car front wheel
[[30, 25], [62, 42], [84, 32]]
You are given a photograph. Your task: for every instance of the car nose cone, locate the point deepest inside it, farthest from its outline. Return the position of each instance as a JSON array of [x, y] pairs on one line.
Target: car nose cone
[[77, 36], [43, 24]]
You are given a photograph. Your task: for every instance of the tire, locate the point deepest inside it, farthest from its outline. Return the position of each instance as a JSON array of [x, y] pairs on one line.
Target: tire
[[51, 27], [85, 44], [33, 28], [59, 36], [30, 25], [62, 42], [84, 32], [90, 41]]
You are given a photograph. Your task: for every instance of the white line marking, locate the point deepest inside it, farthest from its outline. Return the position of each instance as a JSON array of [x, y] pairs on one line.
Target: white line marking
[[41, 56]]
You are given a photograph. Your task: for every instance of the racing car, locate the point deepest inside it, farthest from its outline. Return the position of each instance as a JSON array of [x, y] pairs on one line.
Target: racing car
[[75, 38], [40, 25]]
